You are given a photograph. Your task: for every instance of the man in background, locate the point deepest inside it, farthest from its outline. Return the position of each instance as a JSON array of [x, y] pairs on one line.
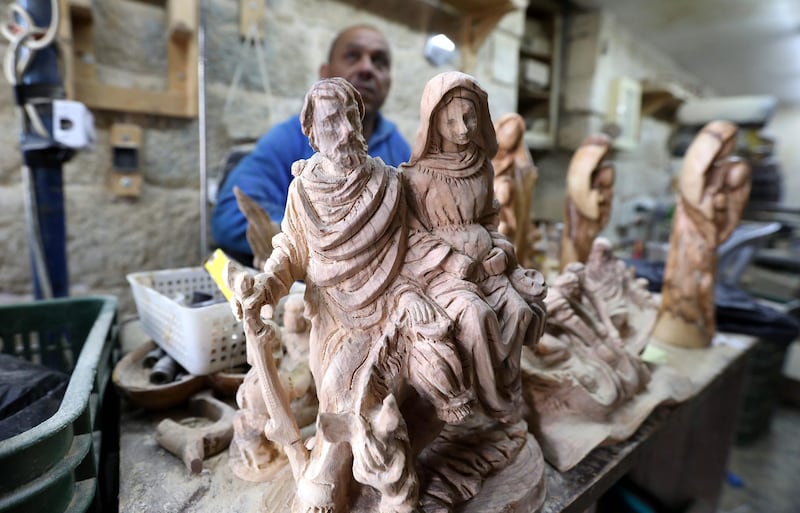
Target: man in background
[[361, 55]]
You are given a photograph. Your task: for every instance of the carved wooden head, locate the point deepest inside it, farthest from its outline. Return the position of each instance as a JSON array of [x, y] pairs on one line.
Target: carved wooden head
[[590, 179], [509, 129], [331, 118], [715, 142], [438, 92]]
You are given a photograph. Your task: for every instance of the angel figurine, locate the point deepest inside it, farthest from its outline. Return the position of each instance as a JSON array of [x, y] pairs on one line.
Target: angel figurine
[[713, 188]]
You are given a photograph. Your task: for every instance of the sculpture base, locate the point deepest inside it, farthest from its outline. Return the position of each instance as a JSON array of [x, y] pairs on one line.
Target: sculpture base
[[678, 375], [270, 462], [674, 331], [568, 438], [518, 487]]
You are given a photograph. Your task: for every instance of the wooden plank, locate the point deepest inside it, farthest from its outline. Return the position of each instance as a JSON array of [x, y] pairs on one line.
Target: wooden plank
[[252, 14], [108, 97], [67, 46], [76, 33], [79, 8], [182, 19], [82, 26]]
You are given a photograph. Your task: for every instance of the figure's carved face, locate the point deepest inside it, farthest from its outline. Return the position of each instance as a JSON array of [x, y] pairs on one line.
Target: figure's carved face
[[362, 57], [330, 127], [456, 124], [508, 136]]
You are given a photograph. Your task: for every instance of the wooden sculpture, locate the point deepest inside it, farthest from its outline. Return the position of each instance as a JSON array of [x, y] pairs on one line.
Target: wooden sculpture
[[260, 228], [497, 306], [590, 190], [388, 359], [712, 190], [252, 456], [586, 371], [515, 177], [628, 307]]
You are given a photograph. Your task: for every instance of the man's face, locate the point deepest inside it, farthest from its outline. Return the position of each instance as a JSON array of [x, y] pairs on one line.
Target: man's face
[[362, 57]]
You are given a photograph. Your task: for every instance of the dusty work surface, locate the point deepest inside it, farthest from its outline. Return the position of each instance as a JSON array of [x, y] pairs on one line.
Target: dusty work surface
[[153, 480]]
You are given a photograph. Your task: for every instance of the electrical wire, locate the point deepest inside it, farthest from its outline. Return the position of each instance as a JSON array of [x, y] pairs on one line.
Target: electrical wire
[[25, 34]]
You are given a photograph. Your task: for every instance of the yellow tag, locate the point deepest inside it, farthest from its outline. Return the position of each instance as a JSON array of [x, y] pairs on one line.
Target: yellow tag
[[216, 266]]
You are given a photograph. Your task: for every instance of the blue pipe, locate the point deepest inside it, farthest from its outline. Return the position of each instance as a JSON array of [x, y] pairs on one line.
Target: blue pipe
[[48, 181]]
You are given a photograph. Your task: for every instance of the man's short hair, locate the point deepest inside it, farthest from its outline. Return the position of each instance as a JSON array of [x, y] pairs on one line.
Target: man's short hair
[[341, 33]]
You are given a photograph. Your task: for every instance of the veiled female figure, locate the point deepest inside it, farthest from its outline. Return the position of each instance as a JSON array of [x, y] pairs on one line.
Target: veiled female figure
[[449, 182], [590, 189], [515, 177], [712, 190]]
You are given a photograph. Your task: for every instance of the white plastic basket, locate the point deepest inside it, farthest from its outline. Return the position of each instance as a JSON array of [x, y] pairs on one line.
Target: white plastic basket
[[203, 339]]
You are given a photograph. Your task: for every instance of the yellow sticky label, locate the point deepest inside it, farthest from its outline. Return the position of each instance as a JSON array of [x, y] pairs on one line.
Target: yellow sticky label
[[215, 265]]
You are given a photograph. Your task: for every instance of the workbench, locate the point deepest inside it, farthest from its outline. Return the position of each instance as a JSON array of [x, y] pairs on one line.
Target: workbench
[[678, 455]]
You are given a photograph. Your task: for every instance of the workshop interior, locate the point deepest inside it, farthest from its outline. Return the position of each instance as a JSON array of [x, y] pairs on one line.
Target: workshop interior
[[345, 256]]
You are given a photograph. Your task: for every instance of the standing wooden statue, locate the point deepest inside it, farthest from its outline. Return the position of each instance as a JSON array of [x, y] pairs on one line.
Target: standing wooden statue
[[712, 190], [590, 190], [515, 177]]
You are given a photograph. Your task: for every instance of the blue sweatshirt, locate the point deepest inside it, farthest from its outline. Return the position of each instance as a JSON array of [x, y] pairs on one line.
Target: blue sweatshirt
[[265, 173]]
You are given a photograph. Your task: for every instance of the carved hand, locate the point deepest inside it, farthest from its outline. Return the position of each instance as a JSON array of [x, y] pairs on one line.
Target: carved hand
[[421, 312], [496, 262], [251, 293], [462, 266]]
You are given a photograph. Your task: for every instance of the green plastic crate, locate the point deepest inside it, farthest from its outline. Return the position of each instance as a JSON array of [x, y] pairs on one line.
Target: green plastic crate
[[53, 466]]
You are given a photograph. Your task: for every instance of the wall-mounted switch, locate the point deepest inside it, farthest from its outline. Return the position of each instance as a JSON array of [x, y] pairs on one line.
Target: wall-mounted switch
[[126, 144]]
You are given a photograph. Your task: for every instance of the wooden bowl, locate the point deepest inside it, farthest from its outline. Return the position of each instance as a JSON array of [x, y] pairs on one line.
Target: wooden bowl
[[227, 382], [132, 379]]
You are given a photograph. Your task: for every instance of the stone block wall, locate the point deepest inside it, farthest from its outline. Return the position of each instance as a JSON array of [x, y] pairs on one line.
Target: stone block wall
[[110, 237]]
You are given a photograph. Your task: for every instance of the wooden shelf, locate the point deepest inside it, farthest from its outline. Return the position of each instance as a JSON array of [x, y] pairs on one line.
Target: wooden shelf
[[529, 95], [661, 100], [534, 54], [467, 22], [179, 99], [538, 97], [538, 140]]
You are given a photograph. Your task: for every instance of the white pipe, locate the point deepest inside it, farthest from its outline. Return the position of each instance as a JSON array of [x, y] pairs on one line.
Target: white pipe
[[201, 126]]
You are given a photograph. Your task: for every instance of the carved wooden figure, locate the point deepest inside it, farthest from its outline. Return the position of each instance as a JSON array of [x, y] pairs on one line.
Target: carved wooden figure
[[252, 456], [376, 341], [628, 308], [590, 190], [713, 188], [418, 315], [515, 177], [496, 305], [587, 368]]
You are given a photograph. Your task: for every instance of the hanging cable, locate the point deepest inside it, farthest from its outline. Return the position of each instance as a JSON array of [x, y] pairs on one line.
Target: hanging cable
[[252, 39]]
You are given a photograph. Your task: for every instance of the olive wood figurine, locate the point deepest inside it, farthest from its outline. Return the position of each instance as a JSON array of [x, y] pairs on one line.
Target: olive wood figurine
[[497, 306], [515, 178], [586, 371], [401, 377], [712, 190], [252, 456], [590, 190]]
